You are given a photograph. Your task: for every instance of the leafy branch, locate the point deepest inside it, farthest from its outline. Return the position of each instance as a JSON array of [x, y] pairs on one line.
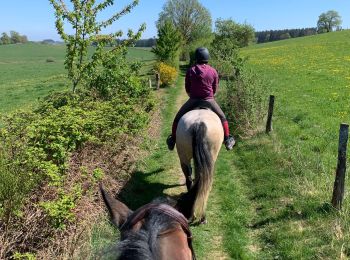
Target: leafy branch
[[87, 32]]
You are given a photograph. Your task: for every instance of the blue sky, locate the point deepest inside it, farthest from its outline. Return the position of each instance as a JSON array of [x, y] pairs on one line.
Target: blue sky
[[35, 18]]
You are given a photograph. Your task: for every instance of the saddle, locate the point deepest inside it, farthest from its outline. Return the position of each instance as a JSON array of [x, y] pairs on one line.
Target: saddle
[[145, 210], [202, 107]]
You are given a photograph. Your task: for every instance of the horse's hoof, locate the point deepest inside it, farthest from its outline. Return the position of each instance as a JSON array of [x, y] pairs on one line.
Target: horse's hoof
[[204, 221]]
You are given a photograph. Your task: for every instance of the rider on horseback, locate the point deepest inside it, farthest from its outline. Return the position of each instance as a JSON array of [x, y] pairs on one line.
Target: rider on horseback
[[201, 84]]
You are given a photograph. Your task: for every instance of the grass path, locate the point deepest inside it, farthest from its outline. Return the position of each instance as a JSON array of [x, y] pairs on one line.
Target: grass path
[[225, 235]]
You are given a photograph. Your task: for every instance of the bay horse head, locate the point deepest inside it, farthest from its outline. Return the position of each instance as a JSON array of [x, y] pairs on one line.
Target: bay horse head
[[154, 231]]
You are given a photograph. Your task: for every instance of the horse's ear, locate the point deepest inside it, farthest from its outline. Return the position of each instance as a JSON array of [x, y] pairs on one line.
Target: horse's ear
[[118, 211]]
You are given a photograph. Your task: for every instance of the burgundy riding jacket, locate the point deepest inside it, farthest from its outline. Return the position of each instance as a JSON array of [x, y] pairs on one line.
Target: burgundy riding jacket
[[201, 82]]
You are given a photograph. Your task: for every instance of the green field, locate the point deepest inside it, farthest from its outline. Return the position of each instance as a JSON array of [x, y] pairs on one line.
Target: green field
[[26, 75], [291, 173]]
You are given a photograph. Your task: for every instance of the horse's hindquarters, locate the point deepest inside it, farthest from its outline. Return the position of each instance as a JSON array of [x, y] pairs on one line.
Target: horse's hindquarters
[[214, 133], [199, 137]]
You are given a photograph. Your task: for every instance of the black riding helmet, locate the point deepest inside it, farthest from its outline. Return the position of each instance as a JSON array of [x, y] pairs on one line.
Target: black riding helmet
[[202, 55]]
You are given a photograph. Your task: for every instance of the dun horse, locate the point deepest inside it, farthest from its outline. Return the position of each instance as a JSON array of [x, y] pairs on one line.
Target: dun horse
[[199, 137], [153, 232]]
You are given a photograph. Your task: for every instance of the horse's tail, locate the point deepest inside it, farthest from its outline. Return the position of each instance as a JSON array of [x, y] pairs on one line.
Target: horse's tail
[[203, 167]]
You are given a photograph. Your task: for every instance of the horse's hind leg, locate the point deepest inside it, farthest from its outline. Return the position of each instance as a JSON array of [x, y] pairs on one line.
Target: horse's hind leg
[[187, 170]]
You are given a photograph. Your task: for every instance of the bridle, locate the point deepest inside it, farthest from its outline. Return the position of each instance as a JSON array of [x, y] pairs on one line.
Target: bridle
[[145, 210]]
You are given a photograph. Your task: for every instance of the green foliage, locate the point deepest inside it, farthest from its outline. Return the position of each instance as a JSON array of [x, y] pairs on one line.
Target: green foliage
[[276, 35], [5, 39], [328, 21], [244, 99], [83, 19], [39, 143], [98, 174], [285, 36], [14, 185], [115, 104], [190, 18], [24, 256], [190, 49], [240, 35], [168, 44], [14, 38], [118, 78], [60, 210], [229, 36], [17, 38], [225, 57]]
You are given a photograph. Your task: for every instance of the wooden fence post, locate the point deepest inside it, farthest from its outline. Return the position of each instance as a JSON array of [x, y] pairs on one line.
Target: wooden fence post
[[339, 183], [149, 82], [158, 80], [269, 115]]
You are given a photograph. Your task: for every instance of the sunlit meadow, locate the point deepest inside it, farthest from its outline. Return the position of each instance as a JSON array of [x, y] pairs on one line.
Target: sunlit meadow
[[310, 78]]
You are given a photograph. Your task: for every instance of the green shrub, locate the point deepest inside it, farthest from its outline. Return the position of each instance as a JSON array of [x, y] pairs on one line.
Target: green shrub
[[168, 44], [60, 210], [39, 143], [15, 183], [98, 174], [24, 256], [243, 98]]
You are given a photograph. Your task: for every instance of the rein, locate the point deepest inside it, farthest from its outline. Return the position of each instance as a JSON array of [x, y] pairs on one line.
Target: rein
[[144, 211]]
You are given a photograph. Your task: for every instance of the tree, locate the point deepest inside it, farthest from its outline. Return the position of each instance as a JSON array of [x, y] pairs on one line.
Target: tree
[[24, 38], [239, 34], [191, 18], [328, 21], [5, 39], [15, 37], [229, 36], [87, 29], [168, 44]]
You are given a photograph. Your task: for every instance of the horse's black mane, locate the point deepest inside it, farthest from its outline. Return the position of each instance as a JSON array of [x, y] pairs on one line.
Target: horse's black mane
[[142, 245]]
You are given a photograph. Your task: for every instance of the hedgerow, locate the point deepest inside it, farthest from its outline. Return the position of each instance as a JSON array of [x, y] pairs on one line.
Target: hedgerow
[[42, 140], [108, 104]]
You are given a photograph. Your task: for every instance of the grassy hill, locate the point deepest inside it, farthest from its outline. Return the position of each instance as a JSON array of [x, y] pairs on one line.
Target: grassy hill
[[27, 73], [291, 172]]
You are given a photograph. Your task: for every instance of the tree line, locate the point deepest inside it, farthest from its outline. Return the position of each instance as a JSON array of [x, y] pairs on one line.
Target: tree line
[[276, 35], [146, 42], [13, 38]]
